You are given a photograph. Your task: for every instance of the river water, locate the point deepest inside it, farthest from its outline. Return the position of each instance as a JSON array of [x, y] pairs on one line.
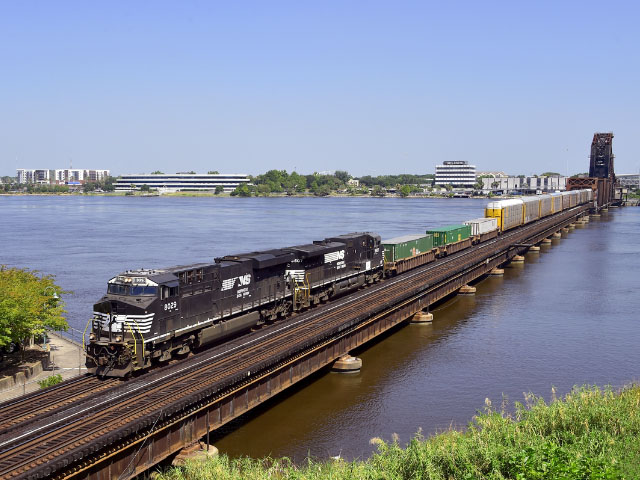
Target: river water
[[568, 316]]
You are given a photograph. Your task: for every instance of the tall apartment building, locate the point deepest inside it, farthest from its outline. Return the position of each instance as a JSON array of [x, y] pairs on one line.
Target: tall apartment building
[[61, 176], [455, 173]]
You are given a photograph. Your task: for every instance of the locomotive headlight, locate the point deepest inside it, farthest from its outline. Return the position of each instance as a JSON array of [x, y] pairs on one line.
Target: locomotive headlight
[[92, 337], [119, 338]]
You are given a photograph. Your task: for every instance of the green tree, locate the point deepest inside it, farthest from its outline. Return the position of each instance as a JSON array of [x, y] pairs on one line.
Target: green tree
[[29, 304], [213, 172], [108, 184], [157, 172], [342, 175], [88, 187], [377, 191], [323, 190], [145, 188], [550, 174], [263, 189], [295, 184], [405, 190], [242, 191], [219, 189]]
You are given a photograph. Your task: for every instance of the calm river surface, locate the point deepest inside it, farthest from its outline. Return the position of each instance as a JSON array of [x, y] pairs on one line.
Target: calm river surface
[[568, 316]]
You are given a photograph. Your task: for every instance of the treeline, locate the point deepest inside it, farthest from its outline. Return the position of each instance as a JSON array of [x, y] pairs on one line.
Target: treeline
[[390, 181], [322, 184]]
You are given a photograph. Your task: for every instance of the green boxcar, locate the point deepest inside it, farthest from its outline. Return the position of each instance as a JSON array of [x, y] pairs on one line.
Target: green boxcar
[[450, 234], [406, 246]]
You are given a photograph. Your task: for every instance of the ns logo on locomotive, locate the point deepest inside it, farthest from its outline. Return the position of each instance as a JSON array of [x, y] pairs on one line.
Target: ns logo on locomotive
[[149, 316]]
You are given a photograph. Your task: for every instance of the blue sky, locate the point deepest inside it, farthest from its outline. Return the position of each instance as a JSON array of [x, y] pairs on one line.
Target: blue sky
[[365, 86]]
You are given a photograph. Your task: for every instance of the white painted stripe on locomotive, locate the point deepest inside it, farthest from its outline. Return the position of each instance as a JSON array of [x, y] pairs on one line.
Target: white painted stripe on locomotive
[[298, 275]]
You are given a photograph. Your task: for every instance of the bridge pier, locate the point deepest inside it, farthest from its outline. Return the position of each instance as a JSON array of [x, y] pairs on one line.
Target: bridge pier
[[467, 290], [534, 249], [347, 364], [198, 451], [556, 235], [497, 272], [546, 241], [517, 259], [422, 317]]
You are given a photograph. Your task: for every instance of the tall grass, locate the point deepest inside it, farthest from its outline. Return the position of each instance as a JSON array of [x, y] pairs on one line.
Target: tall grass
[[591, 433]]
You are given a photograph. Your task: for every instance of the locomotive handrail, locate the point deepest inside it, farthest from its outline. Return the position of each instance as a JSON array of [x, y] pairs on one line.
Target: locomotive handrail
[[135, 341], [84, 333]]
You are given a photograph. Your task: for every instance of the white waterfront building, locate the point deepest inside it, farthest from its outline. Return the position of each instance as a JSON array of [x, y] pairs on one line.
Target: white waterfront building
[[181, 181], [455, 173]]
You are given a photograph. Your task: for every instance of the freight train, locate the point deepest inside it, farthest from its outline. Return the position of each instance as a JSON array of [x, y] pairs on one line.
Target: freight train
[[151, 316]]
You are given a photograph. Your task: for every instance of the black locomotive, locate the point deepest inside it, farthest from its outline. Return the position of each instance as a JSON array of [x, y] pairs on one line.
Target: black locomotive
[[148, 316]]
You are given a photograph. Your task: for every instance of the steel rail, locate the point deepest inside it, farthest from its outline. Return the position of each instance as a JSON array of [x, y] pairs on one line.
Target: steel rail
[[50, 400]]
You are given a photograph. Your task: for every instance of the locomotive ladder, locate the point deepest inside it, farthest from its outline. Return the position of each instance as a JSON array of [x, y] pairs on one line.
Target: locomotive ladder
[[301, 289]]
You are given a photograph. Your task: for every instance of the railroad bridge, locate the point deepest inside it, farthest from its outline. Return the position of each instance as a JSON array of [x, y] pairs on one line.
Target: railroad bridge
[[89, 428], [108, 429]]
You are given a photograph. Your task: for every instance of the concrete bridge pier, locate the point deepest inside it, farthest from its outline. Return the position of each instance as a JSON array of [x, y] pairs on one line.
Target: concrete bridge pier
[[497, 272], [517, 259], [534, 249], [546, 241], [422, 317], [199, 451], [467, 290], [347, 364], [556, 235]]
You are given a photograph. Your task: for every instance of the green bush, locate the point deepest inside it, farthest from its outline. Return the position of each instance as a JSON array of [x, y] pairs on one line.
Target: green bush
[[50, 381], [591, 434]]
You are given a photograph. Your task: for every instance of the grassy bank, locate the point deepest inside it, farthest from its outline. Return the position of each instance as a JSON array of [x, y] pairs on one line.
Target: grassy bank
[[589, 434]]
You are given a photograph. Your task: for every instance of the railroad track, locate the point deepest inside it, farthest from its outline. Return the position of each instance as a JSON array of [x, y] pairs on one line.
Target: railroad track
[[24, 409], [67, 434]]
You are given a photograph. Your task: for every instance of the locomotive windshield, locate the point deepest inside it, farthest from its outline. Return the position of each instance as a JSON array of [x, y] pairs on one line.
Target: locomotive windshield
[[132, 290]]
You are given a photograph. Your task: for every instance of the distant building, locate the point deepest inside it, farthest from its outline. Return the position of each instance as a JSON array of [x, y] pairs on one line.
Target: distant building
[[630, 180], [181, 181], [61, 176], [352, 182], [523, 184], [455, 173]]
